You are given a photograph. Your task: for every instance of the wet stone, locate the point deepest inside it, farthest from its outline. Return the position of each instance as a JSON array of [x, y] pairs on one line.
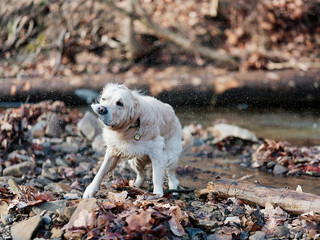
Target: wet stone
[[26, 229], [19, 169], [279, 169]]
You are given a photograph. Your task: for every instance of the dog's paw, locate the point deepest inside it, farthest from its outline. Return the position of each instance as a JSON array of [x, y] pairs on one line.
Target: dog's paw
[[158, 192], [90, 191]]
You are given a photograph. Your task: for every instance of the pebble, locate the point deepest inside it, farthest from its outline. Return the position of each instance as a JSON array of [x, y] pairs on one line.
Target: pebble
[[25, 230], [279, 169], [194, 231], [53, 128], [4, 207], [58, 188], [56, 233], [258, 235], [282, 231], [40, 182], [98, 145], [19, 169], [89, 126], [53, 206], [6, 219], [38, 130], [50, 173]]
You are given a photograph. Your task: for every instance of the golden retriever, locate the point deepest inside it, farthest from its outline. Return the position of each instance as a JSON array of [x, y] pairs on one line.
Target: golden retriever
[[141, 129]]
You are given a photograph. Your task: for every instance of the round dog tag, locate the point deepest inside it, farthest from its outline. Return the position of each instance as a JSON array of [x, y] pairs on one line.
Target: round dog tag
[[137, 136]]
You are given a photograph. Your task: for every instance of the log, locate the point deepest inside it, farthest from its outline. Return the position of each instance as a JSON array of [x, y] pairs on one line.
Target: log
[[289, 200], [181, 86]]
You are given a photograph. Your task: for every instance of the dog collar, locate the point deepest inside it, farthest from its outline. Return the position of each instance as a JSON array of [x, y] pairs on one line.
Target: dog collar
[[137, 135]]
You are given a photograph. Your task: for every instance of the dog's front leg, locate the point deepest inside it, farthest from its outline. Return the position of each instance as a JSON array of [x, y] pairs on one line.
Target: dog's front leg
[[109, 163]]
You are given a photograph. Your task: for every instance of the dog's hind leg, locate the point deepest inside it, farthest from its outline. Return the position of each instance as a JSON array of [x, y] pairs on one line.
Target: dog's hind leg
[[173, 182], [138, 165], [109, 163]]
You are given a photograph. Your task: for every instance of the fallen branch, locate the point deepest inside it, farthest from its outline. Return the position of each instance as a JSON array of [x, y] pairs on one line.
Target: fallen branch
[[174, 37], [293, 64], [289, 200]]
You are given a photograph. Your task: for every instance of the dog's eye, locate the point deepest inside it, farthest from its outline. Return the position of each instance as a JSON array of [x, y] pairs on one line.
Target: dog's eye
[[103, 99], [120, 104]]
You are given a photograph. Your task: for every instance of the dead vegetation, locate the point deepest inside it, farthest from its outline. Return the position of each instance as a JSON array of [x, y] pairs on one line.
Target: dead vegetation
[[49, 37]]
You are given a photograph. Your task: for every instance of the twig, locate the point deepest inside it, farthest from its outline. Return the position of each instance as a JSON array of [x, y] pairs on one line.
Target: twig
[[60, 47]]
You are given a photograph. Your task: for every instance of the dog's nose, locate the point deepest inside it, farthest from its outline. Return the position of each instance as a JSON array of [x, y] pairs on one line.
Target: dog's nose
[[102, 110]]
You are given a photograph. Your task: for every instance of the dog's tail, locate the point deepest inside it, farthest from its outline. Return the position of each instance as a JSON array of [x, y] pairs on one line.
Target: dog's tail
[[187, 140]]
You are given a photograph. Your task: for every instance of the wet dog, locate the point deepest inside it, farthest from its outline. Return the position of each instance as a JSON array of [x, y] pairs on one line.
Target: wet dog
[[140, 129]]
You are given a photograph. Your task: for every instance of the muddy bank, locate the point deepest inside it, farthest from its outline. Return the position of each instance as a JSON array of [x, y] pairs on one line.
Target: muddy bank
[[179, 86]]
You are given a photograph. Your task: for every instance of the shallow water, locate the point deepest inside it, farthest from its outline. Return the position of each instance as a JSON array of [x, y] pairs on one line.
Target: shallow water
[[298, 128]]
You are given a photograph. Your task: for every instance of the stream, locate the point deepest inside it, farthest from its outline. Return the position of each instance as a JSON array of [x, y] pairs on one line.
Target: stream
[[298, 128]]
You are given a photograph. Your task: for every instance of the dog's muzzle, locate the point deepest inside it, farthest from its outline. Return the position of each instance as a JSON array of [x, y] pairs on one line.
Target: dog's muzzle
[[102, 110]]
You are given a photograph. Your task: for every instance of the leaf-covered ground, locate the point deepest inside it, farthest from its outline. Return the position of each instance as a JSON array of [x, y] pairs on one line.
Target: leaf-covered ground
[[50, 153]]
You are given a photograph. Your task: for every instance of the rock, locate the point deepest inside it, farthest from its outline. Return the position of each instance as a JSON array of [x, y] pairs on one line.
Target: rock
[[258, 235], [59, 188], [4, 207], [68, 211], [6, 219], [14, 186], [86, 94], [279, 169], [98, 145], [38, 130], [89, 126], [40, 182], [222, 130], [219, 236], [83, 168], [53, 128], [232, 220], [25, 230], [85, 212], [194, 231], [50, 173], [59, 205], [61, 162], [56, 233], [19, 169], [282, 231]]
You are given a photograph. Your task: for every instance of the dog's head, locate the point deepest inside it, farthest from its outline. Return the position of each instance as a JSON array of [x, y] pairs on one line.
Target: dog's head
[[116, 107]]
